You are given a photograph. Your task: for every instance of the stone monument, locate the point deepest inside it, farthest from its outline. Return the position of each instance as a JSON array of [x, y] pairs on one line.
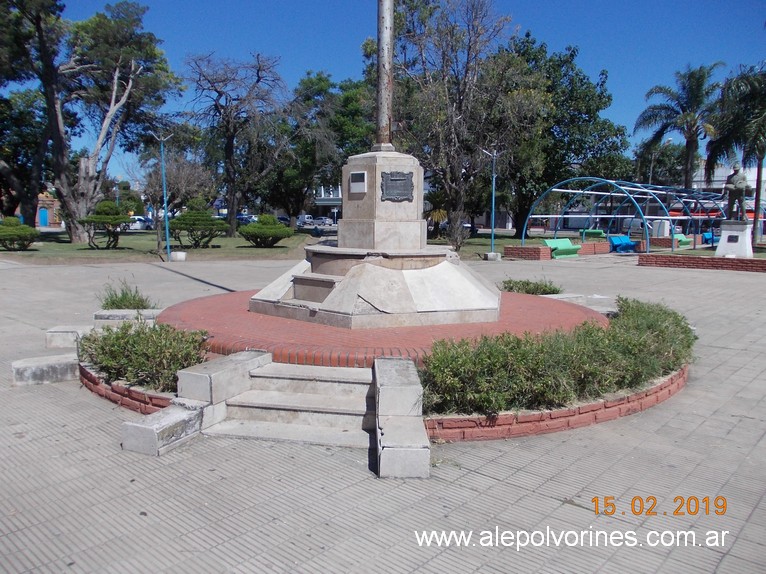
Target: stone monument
[[736, 232], [380, 272]]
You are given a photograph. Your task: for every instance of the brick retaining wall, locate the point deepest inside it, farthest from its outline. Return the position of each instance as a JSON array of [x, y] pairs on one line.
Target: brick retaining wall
[[701, 262], [525, 423], [133, 398]]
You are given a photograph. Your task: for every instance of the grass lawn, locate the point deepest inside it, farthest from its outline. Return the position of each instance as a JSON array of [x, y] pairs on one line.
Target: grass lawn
[[141, 246], [475, 247]]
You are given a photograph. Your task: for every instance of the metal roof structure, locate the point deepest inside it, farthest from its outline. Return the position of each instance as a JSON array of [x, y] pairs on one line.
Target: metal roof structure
[[614, 206]]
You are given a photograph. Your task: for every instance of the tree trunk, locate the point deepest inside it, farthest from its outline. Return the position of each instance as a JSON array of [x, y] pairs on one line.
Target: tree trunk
[[691, 154]]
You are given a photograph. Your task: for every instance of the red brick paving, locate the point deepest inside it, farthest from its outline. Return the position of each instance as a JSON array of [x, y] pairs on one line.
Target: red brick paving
[[233, 328]]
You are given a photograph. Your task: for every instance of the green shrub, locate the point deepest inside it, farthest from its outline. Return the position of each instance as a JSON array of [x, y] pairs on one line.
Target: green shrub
[[142, 354], [554, 369], [541, 287], [15, 236], [266, 232], [199, 227], [124, 297], [108, 218]]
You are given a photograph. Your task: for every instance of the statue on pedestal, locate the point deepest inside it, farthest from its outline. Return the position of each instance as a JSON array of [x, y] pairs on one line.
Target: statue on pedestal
[[736, 188]]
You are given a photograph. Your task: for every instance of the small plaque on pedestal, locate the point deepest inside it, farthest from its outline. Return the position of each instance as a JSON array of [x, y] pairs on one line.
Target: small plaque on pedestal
[[735, 239]]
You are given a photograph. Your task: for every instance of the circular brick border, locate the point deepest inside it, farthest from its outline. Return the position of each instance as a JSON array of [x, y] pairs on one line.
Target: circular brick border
[[133, 398], [525, 423]]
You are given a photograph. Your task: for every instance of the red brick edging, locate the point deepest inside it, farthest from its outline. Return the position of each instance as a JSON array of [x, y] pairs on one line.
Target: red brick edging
[[691, 262], [133, 398], [525, 423]]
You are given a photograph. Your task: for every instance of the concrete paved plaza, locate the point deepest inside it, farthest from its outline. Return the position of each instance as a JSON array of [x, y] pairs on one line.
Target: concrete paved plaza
[[72, 501]]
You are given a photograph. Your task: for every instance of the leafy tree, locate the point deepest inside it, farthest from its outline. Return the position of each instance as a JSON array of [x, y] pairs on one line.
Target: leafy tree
[[238, 101], [741, 125], [266, 232], [686, 109], [108, 70], [660, 165], [572, 139], [455, 101], [23, 133], [312, 156]]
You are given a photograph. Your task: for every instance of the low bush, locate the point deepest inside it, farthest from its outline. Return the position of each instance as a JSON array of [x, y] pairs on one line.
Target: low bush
[[142, 354], [540, 287], [124, 297], [15, 236], [266, 232], [509, 372]]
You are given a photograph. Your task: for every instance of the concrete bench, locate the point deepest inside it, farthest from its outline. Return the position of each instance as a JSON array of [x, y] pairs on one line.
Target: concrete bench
[[622, 244], [710, 238], [561, 248], [683, 241], [592, 234]]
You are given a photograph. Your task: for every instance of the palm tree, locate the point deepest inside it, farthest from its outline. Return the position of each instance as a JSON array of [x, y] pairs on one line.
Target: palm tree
[[686, 110], [741, 126]]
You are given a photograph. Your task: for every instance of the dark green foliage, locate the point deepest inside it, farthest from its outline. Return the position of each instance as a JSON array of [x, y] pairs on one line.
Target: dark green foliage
[[124, 297], [541, 287], [141, 354], [508, 372], [108, 218], [14, 236], [199, 227], [266, 232]]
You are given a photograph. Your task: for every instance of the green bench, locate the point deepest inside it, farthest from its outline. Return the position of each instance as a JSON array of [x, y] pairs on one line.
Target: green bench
[[682, 239], [561, 248], [592, 233]]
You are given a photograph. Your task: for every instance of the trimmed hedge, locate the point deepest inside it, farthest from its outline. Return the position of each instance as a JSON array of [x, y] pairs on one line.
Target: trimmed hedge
[[15, 236], [266, 232], [644, 341], [199, 227]]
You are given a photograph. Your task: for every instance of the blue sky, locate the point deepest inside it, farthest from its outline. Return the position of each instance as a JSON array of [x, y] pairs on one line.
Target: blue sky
[[639, 44]]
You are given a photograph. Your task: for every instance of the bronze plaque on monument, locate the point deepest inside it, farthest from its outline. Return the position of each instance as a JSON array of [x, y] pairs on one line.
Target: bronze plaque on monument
[[397, 186]]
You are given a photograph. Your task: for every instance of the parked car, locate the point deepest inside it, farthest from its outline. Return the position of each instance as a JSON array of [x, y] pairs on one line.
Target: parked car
[[283, 219], [324, 221], [245, 219], [140, 223], [305, 220]]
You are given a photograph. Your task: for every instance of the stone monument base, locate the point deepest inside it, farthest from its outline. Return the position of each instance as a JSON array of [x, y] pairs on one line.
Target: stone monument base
[[361, 289], [736, 239]]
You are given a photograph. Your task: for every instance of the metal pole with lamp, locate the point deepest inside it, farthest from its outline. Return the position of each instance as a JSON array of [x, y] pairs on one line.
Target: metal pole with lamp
[[164, 190], [493, 155]]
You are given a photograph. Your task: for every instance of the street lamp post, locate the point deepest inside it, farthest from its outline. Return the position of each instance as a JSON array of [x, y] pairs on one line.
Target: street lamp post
[[493, 155], [164, 190]]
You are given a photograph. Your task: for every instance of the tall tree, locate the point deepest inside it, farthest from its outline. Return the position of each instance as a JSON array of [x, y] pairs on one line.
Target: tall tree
[[23, 133], [571, 138], [454, 104], [109, 71], [686, 109], [239, 102], [741, 125]]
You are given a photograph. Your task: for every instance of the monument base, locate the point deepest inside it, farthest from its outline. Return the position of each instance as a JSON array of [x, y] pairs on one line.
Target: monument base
[[360, 289], [736, 239]]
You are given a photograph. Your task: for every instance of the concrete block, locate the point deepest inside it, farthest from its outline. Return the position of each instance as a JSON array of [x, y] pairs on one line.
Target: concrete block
[[220, 379], [162, 431], [397, 388], [404, 450], [41, 370], [65, 336], [491, 256], [114, 317]]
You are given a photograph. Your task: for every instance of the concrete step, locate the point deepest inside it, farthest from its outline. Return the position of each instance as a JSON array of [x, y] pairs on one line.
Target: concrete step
[[312, 434], [309, 379], [314, 286], [350, 412]]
